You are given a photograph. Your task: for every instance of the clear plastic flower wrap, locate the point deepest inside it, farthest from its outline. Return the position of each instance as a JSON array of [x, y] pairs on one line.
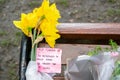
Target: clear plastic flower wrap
[[99, 67], [33, 74]]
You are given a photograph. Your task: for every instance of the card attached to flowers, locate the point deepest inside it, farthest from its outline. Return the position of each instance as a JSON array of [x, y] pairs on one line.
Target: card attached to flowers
[[49, 60]]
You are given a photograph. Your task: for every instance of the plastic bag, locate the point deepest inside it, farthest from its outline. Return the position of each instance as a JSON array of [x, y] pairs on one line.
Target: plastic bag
[[116, 77], [81, 68], [99, 67], [33, 74], [106, 68]]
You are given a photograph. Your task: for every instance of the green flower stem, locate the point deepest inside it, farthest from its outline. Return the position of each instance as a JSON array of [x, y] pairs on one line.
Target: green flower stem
[[34, 47], [35, 34], [33, 54]]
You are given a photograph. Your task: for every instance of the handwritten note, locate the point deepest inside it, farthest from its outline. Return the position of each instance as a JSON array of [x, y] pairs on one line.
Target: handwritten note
[[49, 60]]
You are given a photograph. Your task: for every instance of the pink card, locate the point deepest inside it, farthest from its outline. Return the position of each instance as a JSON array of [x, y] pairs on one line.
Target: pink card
[[49, 60]]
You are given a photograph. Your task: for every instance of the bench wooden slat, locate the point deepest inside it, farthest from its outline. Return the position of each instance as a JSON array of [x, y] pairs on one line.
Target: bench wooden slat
[[89, 28], [73, 50], [98, 31], [59, 78]]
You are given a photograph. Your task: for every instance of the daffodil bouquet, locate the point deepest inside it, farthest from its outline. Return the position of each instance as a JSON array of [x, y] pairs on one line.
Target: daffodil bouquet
[[39, 24]]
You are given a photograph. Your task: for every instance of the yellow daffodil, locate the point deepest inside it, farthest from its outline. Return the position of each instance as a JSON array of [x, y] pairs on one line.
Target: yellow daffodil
[[48, 25], [51, 39], [49, 32], [42, 22], [49, 11], [44, 19], [28, 21]]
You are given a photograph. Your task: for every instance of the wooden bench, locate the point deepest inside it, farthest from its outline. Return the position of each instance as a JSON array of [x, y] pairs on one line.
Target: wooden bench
[[76, 39]]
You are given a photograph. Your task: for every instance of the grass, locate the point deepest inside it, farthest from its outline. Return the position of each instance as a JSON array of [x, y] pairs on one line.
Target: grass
[[113, 12], [5, 43], [112, 1], [34, 3], [17, 38], [13, 73], [2, 33], [38, 3], [14, 41], [18, 33], [2, 1], [62, 2]]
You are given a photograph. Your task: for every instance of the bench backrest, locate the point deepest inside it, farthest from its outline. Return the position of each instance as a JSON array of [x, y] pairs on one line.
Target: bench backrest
[[79, 38], [76, 39]]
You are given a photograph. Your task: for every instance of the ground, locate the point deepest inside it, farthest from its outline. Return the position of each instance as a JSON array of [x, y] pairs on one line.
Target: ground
[[77, 11]]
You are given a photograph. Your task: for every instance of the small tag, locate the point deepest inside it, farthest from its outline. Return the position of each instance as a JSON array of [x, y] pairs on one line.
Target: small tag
[[49, 60]]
